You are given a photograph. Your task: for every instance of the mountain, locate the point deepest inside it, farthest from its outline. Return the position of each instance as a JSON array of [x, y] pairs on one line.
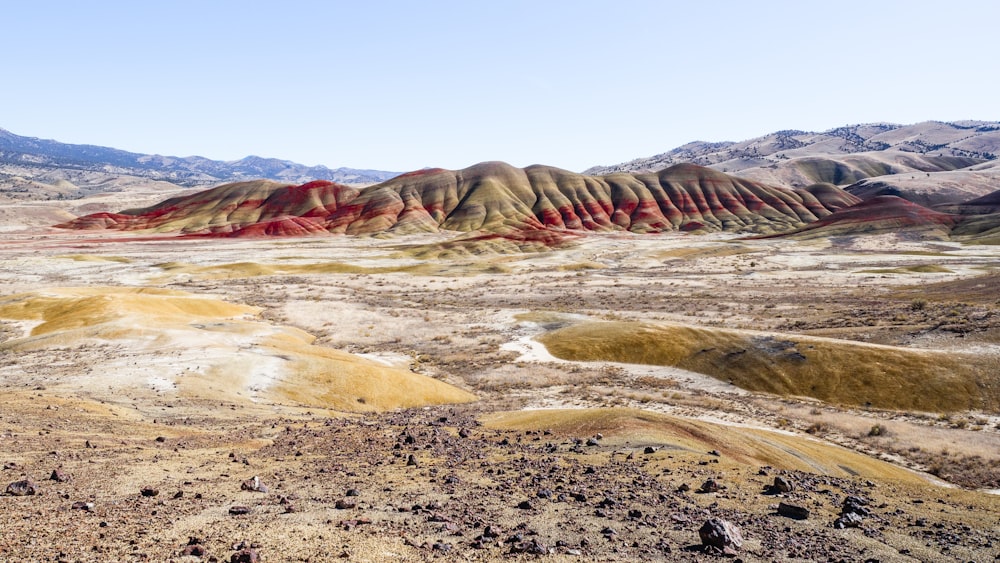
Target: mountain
[[29, 164], [491, 197], [847, 155], [890, 148]]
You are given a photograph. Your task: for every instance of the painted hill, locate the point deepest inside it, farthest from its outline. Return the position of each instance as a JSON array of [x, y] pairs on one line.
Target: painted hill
[[493, 197], [31, 166]]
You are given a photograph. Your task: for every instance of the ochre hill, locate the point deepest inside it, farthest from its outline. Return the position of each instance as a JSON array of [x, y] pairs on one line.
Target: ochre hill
[[492, 197], [836, 371]]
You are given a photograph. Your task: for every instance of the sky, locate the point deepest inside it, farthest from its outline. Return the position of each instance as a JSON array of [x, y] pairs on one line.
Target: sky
[[404, 85]]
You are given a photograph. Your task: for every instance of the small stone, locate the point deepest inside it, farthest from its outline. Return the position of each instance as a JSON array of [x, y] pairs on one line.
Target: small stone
[[254, 484], [593, 442], [793, 511], [684, 488], [59, 476], [149, 492], [196, 550], [847, 520], [649, 450], [525, 505], [411, 461], [722, 535], [352, 492], [344, 504], [161, 439], [855, 505], [22, 488], [783, 485], [85, 506], [709, 486], [239, 510], [247, 555]]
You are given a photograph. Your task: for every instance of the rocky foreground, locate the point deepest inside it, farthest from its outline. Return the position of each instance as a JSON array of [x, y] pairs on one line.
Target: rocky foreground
[[87, 485]]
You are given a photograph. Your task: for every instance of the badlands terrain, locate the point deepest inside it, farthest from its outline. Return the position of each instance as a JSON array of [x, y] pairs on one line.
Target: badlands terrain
[[467, 376]]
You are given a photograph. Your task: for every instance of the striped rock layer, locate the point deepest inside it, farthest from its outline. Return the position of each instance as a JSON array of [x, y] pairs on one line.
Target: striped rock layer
[[493, 197]]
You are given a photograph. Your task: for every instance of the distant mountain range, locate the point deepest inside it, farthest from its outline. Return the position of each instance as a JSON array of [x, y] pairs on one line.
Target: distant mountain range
[[932, 144], [33, 163]]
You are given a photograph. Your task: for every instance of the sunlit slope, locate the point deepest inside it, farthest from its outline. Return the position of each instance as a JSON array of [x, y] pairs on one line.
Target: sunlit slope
[[677, 436], [205, 348], [493, 197], [835, 371]]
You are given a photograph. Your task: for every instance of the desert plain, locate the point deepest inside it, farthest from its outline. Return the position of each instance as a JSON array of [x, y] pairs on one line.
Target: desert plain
[[422, 397]]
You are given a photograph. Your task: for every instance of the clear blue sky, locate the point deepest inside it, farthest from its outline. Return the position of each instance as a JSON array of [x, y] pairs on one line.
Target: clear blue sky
[[403, 85]]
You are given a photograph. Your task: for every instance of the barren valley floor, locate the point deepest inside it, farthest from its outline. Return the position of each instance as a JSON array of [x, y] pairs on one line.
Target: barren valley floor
[[395, 398]]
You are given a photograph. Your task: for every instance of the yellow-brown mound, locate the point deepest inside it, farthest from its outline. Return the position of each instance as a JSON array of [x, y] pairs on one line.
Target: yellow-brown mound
[[836, 371], [205, 348], [737, 444]]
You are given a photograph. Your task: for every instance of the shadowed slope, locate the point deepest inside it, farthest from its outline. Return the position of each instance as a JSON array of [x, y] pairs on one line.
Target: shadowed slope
[[493, 197], [882, 214]]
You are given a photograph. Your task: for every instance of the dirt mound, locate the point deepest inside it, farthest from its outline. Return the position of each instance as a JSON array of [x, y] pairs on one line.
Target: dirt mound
[[835, 371]]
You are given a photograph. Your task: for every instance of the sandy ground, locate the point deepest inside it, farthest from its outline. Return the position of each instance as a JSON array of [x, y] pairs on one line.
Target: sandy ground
[[470, 322]]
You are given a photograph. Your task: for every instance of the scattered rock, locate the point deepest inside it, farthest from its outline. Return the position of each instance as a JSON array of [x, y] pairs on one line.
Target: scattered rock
[[411, 461], [793, 511], [196, 550], [85, 506], [722, 535], [709, 486], [344, 504], [649, 450], [239, 510], [22, 488], [525, 505], [533, 547], [246, 555], [855, 505], [59, 476], [352, 492], [149, 492], [848, 520], [783, 485], [254, 484]]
